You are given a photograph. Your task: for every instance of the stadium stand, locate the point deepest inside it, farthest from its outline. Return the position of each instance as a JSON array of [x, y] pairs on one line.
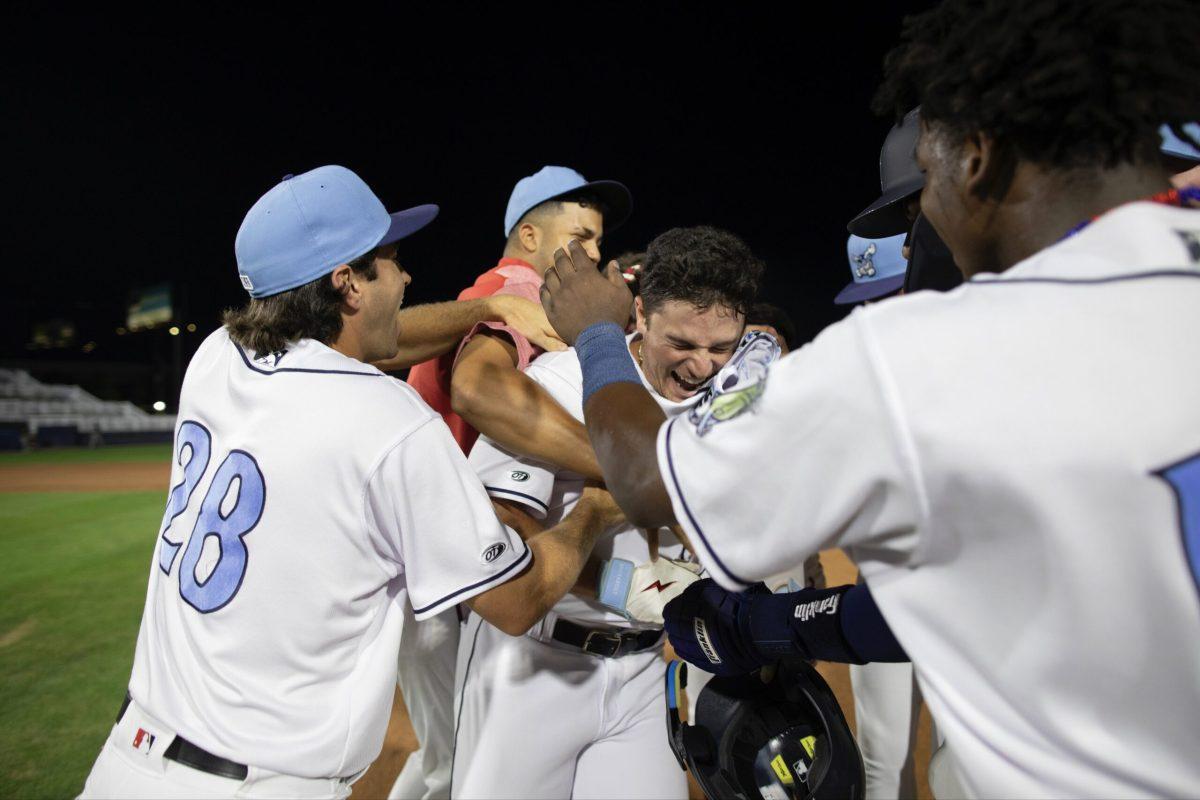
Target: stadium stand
[[45, 415]]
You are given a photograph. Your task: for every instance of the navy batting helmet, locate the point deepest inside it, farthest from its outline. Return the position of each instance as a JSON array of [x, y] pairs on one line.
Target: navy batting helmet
[[782, 740]]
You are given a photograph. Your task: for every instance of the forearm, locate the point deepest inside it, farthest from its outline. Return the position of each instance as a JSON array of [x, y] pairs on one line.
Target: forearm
[[504, 404], [433, 329], [622, 423], [559, 556]]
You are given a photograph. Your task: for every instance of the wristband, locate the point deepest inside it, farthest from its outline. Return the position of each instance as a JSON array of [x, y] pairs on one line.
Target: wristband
[[604, 358], [615, 580]]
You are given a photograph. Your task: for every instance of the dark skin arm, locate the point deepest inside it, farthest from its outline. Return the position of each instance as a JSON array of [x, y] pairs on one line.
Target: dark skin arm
[[622, 418], [502, 403]]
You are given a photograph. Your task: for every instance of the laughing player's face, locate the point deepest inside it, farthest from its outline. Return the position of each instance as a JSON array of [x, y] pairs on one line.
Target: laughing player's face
[[683, 346]]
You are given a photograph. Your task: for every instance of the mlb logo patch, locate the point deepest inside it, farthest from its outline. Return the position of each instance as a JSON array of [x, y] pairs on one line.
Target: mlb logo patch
[[143, 740]]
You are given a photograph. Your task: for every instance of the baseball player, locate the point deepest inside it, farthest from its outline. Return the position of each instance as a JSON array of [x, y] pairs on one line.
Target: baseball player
[[482, 377], [315, 503], [480, 387], [887, 701], [575, 708], [1014, 464]]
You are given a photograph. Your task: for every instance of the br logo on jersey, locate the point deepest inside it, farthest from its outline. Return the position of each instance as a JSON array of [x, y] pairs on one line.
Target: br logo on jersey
[[737, 385], [518, 475], [493, 552]]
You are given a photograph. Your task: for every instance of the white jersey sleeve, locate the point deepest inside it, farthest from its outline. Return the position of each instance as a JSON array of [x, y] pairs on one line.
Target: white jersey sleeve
[[811, 458], [426, 510], [508, 476]]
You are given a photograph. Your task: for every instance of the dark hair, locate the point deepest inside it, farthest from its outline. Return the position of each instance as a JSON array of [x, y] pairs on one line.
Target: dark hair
[[1064, 83], [627, 261], [702, 266], [310, 311], [583, 197], [777, 318]]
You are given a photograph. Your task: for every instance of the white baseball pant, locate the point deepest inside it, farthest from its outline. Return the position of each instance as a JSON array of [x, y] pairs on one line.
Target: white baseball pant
[[538, 720]]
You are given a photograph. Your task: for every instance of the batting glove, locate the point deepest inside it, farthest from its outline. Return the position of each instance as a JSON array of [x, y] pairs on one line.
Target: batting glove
[[732, 633], [640, 593], [705, 625]]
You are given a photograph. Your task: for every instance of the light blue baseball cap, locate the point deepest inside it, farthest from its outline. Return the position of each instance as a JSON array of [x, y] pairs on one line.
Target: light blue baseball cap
[[550, 183], [1172, 145], [877, 266], [307, 225]]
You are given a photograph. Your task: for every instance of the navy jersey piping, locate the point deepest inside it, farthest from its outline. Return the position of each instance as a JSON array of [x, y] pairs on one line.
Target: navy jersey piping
[[246, 361], [531, 498], [525, 556], [1162, 273]]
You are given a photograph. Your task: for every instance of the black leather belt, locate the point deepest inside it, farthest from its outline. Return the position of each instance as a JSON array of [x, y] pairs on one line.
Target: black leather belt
[[190, 755], [605, 642]]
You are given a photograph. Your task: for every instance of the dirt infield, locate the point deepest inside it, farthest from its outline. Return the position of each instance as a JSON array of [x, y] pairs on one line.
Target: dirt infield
[[99, 477]]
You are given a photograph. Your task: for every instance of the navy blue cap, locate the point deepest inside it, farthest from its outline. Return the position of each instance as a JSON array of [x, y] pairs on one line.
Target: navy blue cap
[[899, 178]]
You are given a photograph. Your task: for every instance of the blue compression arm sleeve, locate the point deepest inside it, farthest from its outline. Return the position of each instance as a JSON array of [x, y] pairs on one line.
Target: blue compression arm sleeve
[[866, 630], [841, 624]]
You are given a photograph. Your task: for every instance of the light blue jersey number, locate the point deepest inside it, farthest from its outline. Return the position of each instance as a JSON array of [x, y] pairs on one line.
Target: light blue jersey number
[[1184, 479], [231, 508]]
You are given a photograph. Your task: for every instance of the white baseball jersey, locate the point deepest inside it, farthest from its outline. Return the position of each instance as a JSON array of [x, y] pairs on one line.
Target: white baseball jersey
[[550, 493], [1015, 465], [313, 497]]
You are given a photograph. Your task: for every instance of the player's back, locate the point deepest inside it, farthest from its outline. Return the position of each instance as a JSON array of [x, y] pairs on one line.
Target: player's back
[[1057, 438], [259, 637], [1015, 467]]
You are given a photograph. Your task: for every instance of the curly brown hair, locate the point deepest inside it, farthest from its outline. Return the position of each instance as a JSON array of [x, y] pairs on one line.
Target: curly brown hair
[[703, 266]]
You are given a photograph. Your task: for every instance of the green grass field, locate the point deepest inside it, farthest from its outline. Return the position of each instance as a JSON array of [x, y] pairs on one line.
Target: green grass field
[[73, 583], [83, 455]]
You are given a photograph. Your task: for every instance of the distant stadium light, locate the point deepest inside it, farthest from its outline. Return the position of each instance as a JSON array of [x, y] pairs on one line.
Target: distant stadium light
[[120, 331], [173, 330], [159, 405], [191, 327]]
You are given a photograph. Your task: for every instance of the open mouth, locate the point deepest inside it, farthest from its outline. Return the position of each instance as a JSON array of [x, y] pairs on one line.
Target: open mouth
[[691, 387]]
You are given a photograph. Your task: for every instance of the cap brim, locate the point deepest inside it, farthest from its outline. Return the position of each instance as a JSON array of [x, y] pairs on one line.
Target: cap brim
[[409, 221], [858, 292], [615, 196], [885, 217]]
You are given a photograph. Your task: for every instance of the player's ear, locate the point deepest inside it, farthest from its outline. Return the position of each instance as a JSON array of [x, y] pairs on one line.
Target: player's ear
[[987, 169], [640, 311], [342, 280], [530, 236]]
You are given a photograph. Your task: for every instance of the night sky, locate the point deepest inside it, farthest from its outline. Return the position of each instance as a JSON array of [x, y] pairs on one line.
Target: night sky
[[136, 144]]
